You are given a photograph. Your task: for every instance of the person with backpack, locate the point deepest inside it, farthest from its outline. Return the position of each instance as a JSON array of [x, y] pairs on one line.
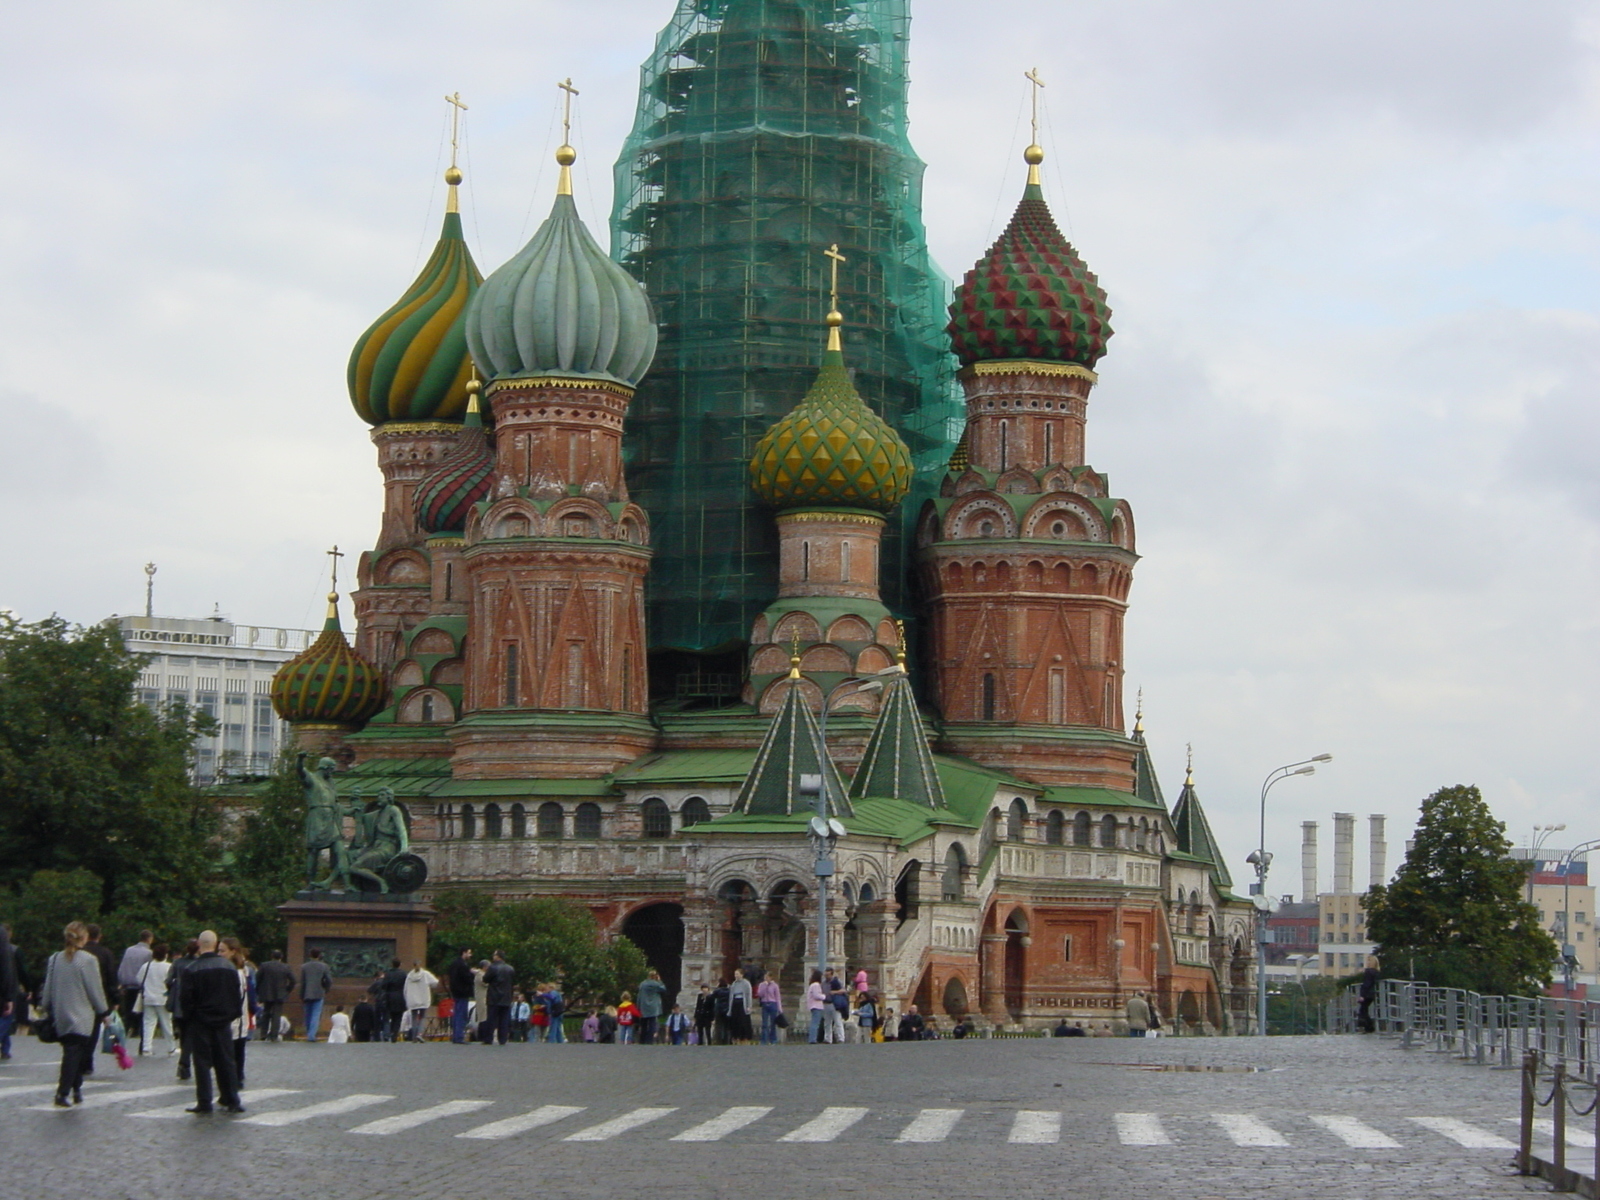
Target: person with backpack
[[678, 1026], [627, 1017]]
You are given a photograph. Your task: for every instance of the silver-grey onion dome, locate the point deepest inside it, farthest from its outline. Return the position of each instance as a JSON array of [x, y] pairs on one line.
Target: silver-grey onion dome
[[562, 307]]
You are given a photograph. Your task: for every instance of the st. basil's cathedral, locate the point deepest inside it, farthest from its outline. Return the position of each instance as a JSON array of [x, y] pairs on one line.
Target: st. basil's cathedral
[[681, 539]]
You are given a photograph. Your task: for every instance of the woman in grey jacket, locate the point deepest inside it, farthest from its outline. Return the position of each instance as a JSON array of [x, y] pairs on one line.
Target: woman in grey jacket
[[76, 1001]]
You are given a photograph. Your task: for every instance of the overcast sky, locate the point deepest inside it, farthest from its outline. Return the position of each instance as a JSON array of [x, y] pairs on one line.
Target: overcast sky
[[1352, 397]]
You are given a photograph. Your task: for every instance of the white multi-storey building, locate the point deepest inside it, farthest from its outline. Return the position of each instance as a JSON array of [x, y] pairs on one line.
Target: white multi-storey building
[[225, 671]]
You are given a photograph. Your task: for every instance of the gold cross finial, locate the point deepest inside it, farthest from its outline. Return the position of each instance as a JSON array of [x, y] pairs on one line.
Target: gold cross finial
[[453, 175], [336, 554], [1138, 714], [1188, 770], [900, 650], [1034, 154], [794, 656], [565, 154], [834, 318]]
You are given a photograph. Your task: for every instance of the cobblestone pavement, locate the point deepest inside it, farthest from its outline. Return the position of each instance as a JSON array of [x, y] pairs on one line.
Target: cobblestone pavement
[[1100, 1117]]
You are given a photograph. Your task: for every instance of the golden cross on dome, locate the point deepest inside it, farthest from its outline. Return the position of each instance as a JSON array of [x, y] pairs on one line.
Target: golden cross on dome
[[835, 318], [1038, 83], [566, 117], [794, 656], [565, 154], [1034, 154], [1188, 769], [453, 175], [900, 650], [336, 554]]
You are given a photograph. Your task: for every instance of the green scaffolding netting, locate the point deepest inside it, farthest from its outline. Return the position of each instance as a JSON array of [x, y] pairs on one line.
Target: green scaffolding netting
[[766, 131]]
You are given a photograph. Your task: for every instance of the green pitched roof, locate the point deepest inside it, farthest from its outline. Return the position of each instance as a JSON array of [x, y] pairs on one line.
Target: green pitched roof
[[790, 750], [1194, 833], [689, 766], [896, 761]]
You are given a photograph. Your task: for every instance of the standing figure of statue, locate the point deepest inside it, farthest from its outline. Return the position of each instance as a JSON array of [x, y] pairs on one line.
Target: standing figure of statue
[[381, 837], [324, 825]]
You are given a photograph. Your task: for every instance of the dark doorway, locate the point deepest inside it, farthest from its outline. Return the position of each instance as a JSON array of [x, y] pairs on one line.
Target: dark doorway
[[955, 997], [1016, 963], [657, 929], [738, 902]]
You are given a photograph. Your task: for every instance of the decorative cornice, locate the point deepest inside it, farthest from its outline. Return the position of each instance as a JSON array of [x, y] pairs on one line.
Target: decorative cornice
[[1031, 366], [832, 516], [398, 429], [570, 383]]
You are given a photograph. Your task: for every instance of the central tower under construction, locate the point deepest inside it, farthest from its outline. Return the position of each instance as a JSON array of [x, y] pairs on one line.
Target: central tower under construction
[[767, 131]]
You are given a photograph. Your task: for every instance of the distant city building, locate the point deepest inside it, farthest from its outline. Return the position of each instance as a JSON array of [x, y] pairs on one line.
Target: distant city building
[[1560, 887], [1293, 931], [225, 671]]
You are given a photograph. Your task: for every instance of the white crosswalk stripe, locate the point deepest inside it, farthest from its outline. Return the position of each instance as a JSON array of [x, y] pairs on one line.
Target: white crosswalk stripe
[[1463, 1134], [104, 1099], [179, 1110], [1547, 1127], [1355, 1133], [931, 1125], [1141, 1129], [548, 1114], [607, 1130], [384, 1126], [1035, 1128], [721, 1126], [310, 1112], [1246, 1130], [826, 1126]]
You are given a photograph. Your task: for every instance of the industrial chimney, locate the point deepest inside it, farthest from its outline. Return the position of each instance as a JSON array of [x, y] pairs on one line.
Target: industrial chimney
[[1344, 850], [1377, 864], [1308, 862]]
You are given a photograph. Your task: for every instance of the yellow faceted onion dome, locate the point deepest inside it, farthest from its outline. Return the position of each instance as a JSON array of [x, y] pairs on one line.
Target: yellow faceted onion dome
[[412, 364], [832, 450], [328, 683]]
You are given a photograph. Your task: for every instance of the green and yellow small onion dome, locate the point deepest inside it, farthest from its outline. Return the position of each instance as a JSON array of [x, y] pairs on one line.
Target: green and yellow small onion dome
[[1031, 296], [832, 450], [328, 683], [412, 365], [447, 493], [561, 307]]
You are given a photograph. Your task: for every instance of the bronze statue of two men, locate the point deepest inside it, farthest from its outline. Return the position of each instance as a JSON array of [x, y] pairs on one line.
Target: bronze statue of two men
[[381, 841]]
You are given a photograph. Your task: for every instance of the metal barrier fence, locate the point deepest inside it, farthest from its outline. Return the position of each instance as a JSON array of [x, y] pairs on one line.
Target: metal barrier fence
[[1493, 1030], [1555, 1041]]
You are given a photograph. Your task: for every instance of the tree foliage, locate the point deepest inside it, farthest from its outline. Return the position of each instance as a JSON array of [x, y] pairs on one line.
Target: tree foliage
[[89, 778], [544, 939], [1455, 914]]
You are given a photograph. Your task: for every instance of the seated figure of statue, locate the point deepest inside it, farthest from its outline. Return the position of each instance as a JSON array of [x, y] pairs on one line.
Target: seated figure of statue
[[381, 836]]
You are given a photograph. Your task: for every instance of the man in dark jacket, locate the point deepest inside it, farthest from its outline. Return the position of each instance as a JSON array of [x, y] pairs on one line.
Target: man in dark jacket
[[911, 1025], [180, 967], [274, 985], [652, 1001], [502, 981], [108, 973], [8, 992], [315, 983], [459, 977], [212, 1002], [393, 1000]]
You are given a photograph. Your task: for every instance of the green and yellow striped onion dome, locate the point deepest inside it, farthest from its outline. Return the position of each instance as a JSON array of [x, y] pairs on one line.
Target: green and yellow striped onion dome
[[412, 365], [446, 494], [1030, 297], [832, 450], [328, 683]]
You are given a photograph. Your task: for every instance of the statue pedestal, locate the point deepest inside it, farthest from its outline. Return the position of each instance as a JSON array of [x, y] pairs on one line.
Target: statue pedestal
[[359, 935]]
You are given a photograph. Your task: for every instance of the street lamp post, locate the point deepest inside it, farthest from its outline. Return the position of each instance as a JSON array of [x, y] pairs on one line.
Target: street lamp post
[[825, 830], [1541, 834], [1261, 860], [1567, 945]]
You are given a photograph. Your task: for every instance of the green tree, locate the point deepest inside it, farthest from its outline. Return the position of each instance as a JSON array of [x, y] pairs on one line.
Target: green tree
[[1455, 914], [546, 938], [91, 779]]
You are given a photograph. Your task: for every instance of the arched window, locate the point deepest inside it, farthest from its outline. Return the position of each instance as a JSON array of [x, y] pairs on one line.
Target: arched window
[[954, 863], [988, 697], [552, 821], [1016, 820], [1108, 831], [586, 821], [1081, 826], [868, 894], [427, 708], [519, 822], [657, 818], [694, 811], [1055, 828], [469, 822], [491, 821], [908, 892], [1141, 835]]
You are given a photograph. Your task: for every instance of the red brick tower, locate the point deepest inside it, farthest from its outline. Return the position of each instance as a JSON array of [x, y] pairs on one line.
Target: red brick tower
[[1025, 558], [556, 557]]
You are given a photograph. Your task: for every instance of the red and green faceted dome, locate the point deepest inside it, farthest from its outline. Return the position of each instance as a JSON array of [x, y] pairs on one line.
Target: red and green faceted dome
[[328, 683], [447, 493], [1030, 297]]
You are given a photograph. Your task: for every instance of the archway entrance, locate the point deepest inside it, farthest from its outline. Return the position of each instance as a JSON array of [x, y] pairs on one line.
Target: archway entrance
[[657, 929], [1016, 962], [955, 997], [738, 900], [784, 936]]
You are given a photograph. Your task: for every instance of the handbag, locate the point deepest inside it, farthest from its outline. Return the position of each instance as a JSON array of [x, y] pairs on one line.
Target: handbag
[[781, 1021], [45, 1030]]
